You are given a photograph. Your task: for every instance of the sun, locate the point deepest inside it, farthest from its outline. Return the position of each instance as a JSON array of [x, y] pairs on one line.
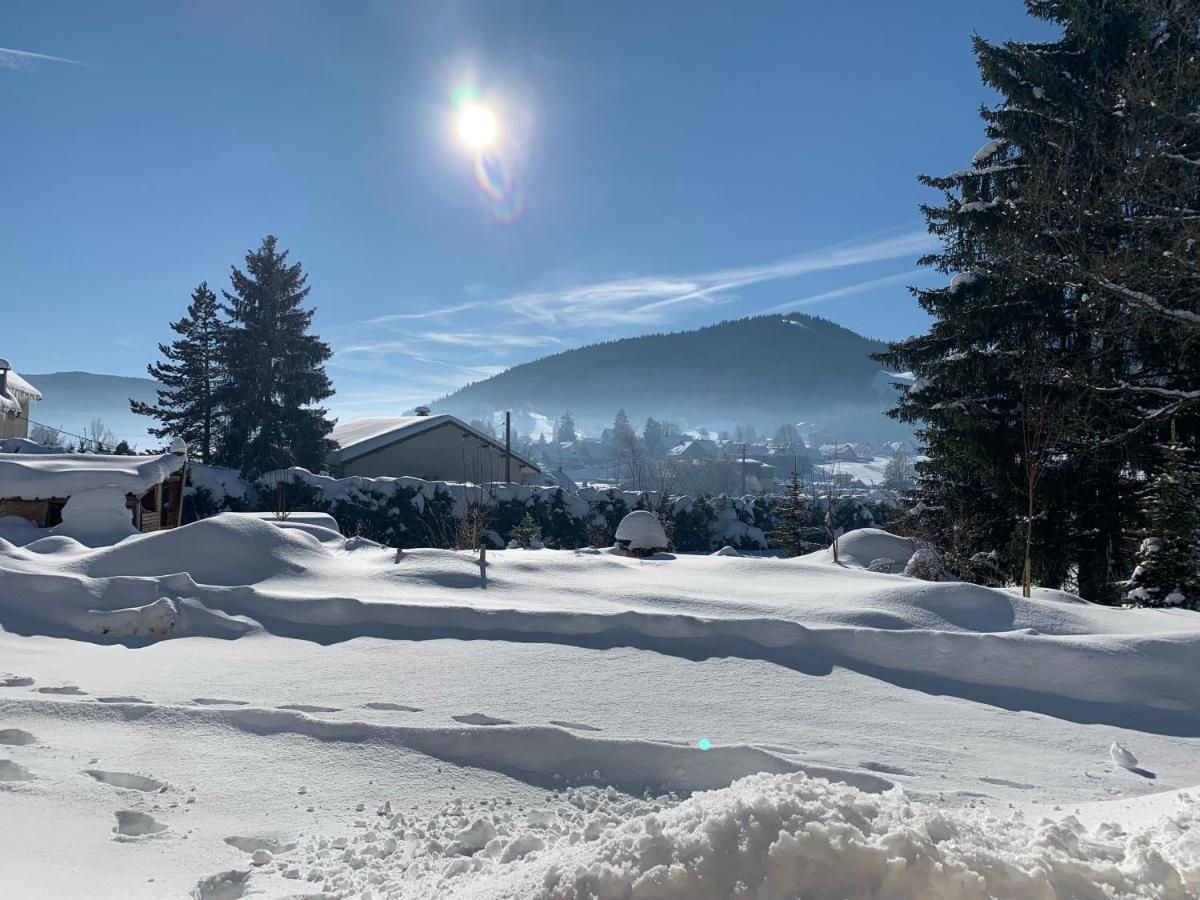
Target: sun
[[477, 126]]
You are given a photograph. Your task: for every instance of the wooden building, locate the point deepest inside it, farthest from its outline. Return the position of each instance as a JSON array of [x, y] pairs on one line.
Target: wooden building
[[37, 486]]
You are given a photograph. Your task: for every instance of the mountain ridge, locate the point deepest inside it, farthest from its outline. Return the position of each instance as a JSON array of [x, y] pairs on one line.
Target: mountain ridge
[[762, 370]]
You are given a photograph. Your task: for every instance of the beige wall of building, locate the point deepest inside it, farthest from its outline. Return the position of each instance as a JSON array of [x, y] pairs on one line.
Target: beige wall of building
[[444, 453], [14, 426]]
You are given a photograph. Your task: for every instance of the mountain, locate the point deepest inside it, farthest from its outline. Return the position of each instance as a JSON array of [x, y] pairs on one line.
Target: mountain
[[72, 399], [763, 371]]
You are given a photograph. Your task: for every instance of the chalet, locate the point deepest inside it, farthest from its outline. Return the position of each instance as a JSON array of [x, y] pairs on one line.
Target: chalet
[[694, 450], [36, 486], [16, 396], [435, 448]]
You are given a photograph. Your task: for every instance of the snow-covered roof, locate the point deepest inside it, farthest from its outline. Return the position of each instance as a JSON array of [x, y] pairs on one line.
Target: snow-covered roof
[[358, 437], [29, 476], [19, 385]]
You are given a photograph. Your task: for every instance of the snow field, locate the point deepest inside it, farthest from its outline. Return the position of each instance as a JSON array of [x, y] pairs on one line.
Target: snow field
[[234, 708]]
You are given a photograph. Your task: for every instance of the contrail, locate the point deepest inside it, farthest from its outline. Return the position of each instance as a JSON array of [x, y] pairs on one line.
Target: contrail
[[25, 59]]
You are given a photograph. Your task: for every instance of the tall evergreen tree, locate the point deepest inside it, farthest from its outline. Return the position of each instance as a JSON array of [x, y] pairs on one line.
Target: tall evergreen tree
[[1050, 303], [274, 372], [189, 375], [566, 429], [654, 436]]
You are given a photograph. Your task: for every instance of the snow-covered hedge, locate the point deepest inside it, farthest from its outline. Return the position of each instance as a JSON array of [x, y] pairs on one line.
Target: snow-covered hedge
[[411, 512]]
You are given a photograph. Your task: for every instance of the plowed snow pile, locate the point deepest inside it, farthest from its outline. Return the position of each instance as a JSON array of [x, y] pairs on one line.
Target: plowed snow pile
[[766, 838]]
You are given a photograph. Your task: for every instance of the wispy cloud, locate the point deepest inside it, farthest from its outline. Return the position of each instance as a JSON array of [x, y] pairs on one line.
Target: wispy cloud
[[436, 313], [645, 299], [847, 291], [25, 60], [487, 339]]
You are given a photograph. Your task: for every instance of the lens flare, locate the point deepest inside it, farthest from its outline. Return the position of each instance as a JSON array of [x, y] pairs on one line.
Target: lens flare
[[704, 743], [501, 191]]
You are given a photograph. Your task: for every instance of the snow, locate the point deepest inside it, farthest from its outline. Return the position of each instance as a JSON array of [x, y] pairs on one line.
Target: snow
[[24, 445], [641, 530], [96, 517], [961, 280], [1122, 757], [986, 151], [43, 476], [294, 519], [236, 708]]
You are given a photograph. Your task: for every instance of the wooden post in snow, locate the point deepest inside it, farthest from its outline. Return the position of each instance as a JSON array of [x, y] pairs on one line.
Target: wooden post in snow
[[508, 447]]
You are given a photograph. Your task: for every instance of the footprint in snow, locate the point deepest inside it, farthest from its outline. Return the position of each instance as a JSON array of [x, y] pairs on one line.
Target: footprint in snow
[[121, 699], [213, 701], [127, 780], [131, 823], [480, 719], [15, 737], [575, 726], [10, 771], [223, 886], [67, 689], [395, 707], [15, 680], [307, 708]]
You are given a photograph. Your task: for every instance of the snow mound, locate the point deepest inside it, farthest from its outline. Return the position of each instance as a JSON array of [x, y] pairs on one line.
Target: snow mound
[[766, 837], [641, 531], [97, 517], [228, 549], [863, 546]]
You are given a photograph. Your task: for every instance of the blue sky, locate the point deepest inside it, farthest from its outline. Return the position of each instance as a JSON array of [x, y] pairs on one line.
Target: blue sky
[[670, 165]]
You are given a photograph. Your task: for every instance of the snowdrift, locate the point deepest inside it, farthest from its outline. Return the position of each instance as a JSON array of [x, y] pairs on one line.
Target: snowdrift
[[232, 574], [766, 837]]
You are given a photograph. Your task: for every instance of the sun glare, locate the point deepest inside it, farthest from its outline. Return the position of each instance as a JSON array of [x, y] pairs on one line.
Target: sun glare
[[477, 126]]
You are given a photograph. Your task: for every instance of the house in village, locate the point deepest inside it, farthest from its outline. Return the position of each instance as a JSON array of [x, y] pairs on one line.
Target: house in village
[[16, 397], [435, 448], [36, 486]]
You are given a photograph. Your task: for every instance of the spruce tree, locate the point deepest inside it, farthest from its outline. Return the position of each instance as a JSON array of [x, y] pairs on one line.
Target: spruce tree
[[794, 531], [566, 429], [274, 372], [1168, 561], [189, 375], [1074, 258]]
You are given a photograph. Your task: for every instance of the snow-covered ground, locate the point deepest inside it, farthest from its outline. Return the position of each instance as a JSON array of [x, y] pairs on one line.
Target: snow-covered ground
[[237, 709]]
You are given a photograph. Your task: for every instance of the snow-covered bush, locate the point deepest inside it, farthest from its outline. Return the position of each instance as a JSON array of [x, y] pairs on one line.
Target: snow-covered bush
[[883, 564], [925, 564]]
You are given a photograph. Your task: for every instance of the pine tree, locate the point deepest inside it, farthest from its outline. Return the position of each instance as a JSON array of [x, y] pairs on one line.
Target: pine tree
[[1168, 561], [526, 534], [794, 531], [1056, 233], [621, 422], [566, 429], [274, 369], [187, 403], [654, 437]]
